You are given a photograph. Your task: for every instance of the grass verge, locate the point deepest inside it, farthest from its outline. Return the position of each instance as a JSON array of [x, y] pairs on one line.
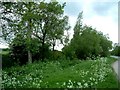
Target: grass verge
[[62, 74]]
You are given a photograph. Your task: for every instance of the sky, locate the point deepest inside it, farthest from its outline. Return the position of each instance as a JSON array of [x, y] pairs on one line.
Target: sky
[[102, 15]]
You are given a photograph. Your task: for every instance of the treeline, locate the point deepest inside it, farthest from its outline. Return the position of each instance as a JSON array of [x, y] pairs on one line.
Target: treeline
[[87, 42], [116, 50], [33, 28]]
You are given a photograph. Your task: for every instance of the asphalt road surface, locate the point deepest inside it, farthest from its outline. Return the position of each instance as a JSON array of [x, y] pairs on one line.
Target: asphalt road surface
[[116, 67]]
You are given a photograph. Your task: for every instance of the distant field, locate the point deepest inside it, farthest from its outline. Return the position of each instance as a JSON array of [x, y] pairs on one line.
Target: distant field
[[4, 52], [62, 74]]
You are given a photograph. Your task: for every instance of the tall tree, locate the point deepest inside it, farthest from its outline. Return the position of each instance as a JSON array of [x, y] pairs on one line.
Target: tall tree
[[87, 42], [51, 24], [78, 26], [19, 21], [41, 20]]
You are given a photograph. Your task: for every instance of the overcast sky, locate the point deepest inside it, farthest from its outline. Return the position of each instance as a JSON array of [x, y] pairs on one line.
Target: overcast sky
[[102, 15]]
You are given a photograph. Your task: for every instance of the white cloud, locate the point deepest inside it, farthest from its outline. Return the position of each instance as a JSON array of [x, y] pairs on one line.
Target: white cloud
[[104, 24], [108, 24], [3, 46], [101, 23], [72, 21]]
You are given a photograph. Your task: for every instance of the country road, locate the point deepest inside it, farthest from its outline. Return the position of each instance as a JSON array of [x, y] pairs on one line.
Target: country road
[[116, 66]]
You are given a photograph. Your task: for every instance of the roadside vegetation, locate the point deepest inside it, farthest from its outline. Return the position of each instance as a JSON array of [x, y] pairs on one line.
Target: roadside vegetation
[[96, 73], [32, 60], [116, 50]]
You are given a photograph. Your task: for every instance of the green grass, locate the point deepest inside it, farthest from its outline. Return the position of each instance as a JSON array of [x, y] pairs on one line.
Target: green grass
[[62, 74], [4, 52]]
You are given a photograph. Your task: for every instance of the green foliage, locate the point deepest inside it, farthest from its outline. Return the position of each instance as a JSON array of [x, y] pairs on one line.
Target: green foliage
[[56, 55], [67, 74], [32, 29], [116, 51], [105, 44], [6, 61], [5, 51], [87, 42], [69, 52], [44, 21], [18, 50]]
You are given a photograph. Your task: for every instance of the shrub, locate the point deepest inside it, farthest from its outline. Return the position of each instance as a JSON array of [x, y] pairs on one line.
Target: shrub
[[57, 55], [6, 61]]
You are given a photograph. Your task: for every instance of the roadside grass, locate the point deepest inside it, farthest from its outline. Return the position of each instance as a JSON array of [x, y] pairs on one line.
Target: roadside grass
[[4, 52], [110, 80], [62, 74]]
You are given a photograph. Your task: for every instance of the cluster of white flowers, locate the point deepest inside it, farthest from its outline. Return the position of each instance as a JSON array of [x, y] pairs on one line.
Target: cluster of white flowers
[[89, 78], [100, 70]]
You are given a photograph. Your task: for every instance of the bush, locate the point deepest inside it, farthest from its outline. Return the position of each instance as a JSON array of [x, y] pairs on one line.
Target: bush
[[19, 50], [56, 55], [19, 54], [116, 51], [88, 43], [6, 61]]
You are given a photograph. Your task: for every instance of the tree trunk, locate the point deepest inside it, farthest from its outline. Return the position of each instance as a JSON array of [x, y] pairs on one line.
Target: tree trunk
[[44, 32], [43, 50], [29, 39], [53, 44], [29, 57], [53, 47]]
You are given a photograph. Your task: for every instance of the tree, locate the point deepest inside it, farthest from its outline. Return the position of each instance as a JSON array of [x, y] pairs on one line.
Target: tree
[[51, 24], [18, 50], [7, 18], [116, 50], [78, 26], [105, 44], [87, 42], [57, 31], [19, 23], [41, 20]]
